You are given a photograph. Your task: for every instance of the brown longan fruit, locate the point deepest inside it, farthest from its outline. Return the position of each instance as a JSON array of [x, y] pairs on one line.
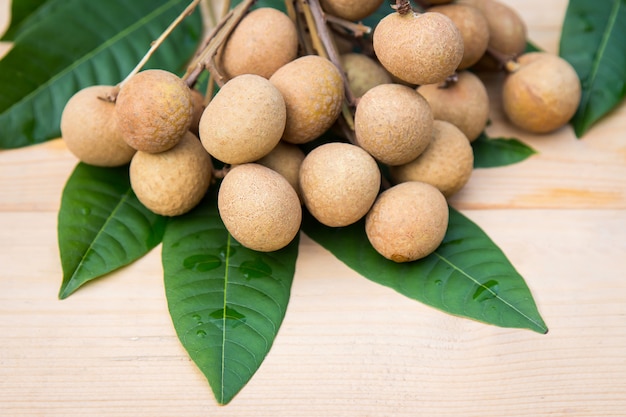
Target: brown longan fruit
[[259, 208], [351, 9], [464, 103], [244, 121], [440, 1], [153, 110], [363, 73], [542, 94], [286, 159], [197, 103], [418, 48], [172, 182], [313, 90], [89, 128], [408, 221], [264, 40], [394, 123], [473, 27], [447, 163], [339, 183]]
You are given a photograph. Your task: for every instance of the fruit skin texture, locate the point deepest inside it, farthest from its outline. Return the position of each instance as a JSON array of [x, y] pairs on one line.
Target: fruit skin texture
[[542, 94], [197, 103], [464, 103], [418, 48], [363, 73], [89, 129], [172, 182], [447, 163], [339, 183], [264, 40], [244, 121], [408, 221], [394, 123], [313, 91], [473, 27], [153, 110], [259, 207], [286, 159], [351, 9]]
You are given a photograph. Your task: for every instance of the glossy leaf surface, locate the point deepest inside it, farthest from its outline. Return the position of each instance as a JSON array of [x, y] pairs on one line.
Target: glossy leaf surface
[[100, 42], [496, 152], [468, 275], [21, 13], [102, 226], [593, 40], [226, 302]]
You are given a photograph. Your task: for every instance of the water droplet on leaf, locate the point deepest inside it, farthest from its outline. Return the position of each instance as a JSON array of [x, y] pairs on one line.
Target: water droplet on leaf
[[486, 291], [228, 318], [255, 269], [202, 262], [201, 333]]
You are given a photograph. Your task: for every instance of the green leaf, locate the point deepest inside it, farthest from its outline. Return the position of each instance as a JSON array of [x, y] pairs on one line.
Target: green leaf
[[226, 302], [593, 40], [81, 43], [21, 13], [468, 275], [531, 47], [102, 226], [490, 152]]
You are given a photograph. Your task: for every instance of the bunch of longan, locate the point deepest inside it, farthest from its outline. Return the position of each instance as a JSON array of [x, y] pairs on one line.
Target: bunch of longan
[[416, 109]]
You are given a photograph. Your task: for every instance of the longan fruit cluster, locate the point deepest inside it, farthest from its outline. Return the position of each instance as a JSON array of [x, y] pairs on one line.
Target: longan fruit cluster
[[296, 130]]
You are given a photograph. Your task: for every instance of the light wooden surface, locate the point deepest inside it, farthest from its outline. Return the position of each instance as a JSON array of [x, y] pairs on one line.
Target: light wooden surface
[[348, 347]]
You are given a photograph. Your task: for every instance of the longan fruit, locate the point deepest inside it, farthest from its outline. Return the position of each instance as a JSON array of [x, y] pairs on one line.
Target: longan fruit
[[313, 90], [339, 183], [394, 123], [172, 182], [408, 221], [542, 94], [473, 27], [259, 208], [286, 159], [264, 40], [197, 103], [363, 73], [418, 48], [447, 163], [464, 103], [350, 9], [153, 110], [440, 1], [89, 128], [507, 30], [244, 121]]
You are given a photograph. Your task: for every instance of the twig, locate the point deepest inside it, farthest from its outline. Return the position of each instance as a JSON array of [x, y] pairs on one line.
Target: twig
[[358, 29]]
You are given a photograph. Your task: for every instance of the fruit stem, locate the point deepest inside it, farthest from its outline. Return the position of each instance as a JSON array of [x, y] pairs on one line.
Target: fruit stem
[[449, 81], [505, 62], [358, 29], [205, 59], [402, 6], [155, 45]]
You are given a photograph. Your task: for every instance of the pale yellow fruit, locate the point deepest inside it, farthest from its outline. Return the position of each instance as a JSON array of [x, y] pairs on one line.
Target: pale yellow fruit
[[286, 159], [259, 208], [463, 103], [351, 9], [313, 91], [473, 27], [394, 123], [339, 183], [244, 121], [153, 110], [418, 48], [363, 73], [542, 94], [447, 163], [172, 182], [89, 128], [408, 221], [264, 40]]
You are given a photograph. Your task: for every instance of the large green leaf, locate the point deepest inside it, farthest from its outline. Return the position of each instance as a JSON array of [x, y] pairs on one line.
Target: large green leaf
[[593, 40], [82, 43], [25, 12], [101, 225], [468, 275], [496, 152], [226, 302]]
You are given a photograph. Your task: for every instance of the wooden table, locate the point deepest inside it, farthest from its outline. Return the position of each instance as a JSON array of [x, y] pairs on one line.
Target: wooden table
[[348, 347]]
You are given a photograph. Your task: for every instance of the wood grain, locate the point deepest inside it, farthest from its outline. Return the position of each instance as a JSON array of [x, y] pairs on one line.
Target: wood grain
[[348, 347]]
